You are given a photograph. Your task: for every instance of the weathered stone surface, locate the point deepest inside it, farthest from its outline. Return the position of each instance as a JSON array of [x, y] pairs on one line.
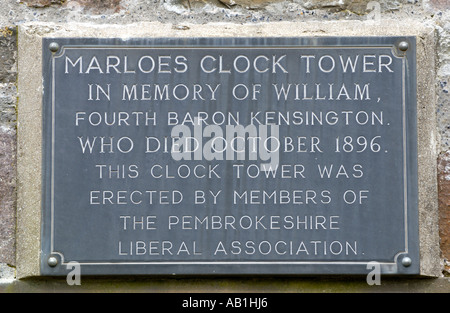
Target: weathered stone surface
[[7, 273], [95, 6], [8, 96], [41, 3], [100, 6], [358, 6], [8, 46], [262, 285], [440, 4], [7, 195], [444, 205], [443, 79], [246, 4], [250, 4]]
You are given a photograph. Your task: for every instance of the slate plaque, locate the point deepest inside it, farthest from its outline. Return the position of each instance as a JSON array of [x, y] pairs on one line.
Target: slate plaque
[[230, 156]]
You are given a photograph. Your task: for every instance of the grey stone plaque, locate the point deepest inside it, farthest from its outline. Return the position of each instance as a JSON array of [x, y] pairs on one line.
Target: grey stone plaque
[[230, 156]]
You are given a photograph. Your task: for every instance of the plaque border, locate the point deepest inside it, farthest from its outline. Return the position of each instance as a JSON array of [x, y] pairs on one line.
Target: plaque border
[[410, 172]]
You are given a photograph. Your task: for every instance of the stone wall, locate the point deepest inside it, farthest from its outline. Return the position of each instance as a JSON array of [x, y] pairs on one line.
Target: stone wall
[[182, 13], [8, 100]]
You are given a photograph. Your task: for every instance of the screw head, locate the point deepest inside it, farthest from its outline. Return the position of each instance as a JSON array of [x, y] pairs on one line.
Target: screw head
[[53, 47], [52, 261], [406, 261], [403, 46]]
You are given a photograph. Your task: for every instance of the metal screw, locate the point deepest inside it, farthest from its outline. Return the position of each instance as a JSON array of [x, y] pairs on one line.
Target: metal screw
[[406, 261], [54, 46], [52, 261], [403, 46]]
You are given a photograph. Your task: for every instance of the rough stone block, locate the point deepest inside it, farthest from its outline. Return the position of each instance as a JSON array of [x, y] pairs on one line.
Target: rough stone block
[[444, 204], [440, 4], [8, 48], [8, 96], [358, 6], [7, 195], [41, 3], [443, 76], [251, 4], [100, 6]]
